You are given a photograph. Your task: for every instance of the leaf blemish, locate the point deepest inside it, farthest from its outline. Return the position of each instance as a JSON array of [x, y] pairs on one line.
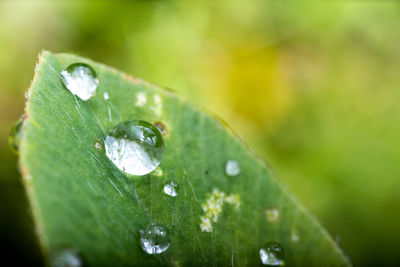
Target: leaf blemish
[[158, 172], [213, 207]]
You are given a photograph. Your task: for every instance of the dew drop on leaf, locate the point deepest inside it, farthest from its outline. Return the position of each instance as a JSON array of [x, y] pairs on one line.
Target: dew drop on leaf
[[106, 96], [80, 79], [171, 188], [272, 254], [135, 147], [232, 168], [65, 258], [97, 145], [154, 239], [15, 135]]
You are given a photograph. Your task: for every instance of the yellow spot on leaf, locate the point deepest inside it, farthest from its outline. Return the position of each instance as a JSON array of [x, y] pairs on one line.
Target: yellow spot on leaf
[[213, 207]]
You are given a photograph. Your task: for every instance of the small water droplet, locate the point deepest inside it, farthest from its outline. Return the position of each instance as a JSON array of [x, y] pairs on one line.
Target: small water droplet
[[272, 214], [106, 96], [97, 145], [232, 168], [171, 188], [135, 147], [154, 239], [80, 79], [26, 95], [65, 258], [14, 138], [160, 126], [272, 254]]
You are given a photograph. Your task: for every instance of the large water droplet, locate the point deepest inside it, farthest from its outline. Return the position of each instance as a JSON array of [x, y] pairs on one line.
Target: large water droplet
[[171, 188], [232, 168], [65, 258], [272, 254], [135, 147], [154, 239], [80, 79], [15, 135]]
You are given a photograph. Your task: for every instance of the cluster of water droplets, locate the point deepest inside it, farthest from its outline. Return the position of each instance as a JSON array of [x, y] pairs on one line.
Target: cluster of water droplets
[[136, 147]]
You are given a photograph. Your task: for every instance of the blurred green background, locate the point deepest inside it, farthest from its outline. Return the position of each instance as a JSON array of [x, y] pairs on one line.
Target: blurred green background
[[313, 87]]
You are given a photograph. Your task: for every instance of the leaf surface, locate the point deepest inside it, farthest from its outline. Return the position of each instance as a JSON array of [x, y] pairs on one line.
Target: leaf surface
[[81, 200]]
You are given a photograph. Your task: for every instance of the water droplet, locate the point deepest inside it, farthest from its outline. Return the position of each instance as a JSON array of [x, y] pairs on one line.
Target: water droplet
[[232, 168], [171, 188], [160, 126], [106, 96], [15, 135], [272, 254], [135, 147], [26, 95], [272, 214], [80, 79], [65, 258], [97, 145], [154, 239]]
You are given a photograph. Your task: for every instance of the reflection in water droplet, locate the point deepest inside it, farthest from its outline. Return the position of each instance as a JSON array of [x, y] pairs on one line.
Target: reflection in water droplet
[[65, 258], [232, 168], [80, 79], [135, 147], [272, 214], [97, 145], [171, 188], [106, 96], [272, 254], [14, 138], [154, 239]]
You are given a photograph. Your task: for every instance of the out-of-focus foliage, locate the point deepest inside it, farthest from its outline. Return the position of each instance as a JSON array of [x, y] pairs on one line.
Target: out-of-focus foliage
[[314, 88]]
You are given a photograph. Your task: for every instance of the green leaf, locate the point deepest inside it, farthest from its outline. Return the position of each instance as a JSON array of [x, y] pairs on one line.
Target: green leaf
[[81, 200]]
